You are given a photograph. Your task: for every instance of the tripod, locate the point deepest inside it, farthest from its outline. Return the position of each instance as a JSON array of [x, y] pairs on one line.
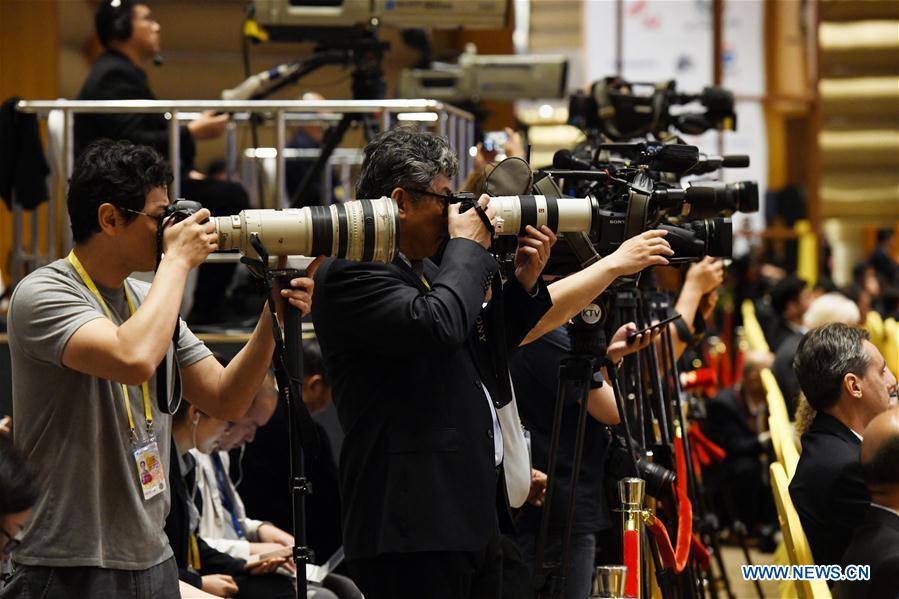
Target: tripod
[[588, 353], [288, 364]]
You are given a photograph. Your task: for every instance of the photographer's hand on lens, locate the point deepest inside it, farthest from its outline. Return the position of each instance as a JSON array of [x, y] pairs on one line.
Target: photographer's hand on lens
[[468, 224], [706, 275], [191, 240], [649, 248], [220, 585], [208, 126], [300, 294], [619, 347], [532, 255]]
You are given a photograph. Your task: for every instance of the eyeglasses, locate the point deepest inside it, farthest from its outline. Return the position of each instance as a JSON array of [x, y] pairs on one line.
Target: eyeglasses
[[11, 544], [157, 218], [434, 194]]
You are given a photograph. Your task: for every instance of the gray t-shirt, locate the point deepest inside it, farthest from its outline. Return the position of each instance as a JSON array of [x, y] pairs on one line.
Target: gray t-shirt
[[74, 427]]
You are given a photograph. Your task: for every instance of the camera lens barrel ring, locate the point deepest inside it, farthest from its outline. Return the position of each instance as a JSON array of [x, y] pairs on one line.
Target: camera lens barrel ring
[[365, 230]]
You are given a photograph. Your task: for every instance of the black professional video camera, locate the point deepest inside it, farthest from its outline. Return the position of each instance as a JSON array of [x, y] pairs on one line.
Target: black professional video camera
[[637, 186], [623, 110]]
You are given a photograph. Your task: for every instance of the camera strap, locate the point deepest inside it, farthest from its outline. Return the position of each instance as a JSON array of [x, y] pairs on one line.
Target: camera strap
[[489, 347], [168, 401], [486, 220], [144, 387]]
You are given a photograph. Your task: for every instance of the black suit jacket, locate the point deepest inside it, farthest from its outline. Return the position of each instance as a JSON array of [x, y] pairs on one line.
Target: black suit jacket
[[876, 544], [417, 466], [828, 489], [114, 77], [780, 333]]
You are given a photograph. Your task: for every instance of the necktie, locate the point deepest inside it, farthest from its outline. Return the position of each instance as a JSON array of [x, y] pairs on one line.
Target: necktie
[[225, 493]]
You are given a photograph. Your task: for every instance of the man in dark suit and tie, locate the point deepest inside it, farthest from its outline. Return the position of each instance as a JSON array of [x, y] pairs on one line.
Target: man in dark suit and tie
[[416, 358], [876, 542], [846, 380]]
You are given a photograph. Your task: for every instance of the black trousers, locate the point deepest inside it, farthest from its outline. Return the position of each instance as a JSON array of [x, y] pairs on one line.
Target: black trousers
[[222, 198], [40, 582], [432, 574]]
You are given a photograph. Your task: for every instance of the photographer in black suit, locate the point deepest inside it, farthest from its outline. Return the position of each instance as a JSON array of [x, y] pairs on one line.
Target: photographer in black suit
[[416, 357], [876, 542], [846, 380]]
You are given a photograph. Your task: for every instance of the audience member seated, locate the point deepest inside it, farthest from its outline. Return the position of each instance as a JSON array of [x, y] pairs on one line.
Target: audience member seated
[[223, 521], [876, 542], [199, 564], [825, 309], [845, 379], [882, 258], [131, 39], [790, 298], [224, 524], [265, 468], [737, 422]]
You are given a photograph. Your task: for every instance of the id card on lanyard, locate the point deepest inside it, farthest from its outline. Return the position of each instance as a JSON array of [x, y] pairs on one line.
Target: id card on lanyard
[[150, 474]]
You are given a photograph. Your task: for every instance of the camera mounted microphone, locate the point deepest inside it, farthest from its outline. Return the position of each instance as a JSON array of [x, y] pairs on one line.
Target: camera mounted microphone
[[565, 160], [256, 83]]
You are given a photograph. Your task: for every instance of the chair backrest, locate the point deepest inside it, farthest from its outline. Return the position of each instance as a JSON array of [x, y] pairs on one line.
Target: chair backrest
[[752, 330], [797, 544], [783, 440], [777, 406], [874, 325], [891, 344]]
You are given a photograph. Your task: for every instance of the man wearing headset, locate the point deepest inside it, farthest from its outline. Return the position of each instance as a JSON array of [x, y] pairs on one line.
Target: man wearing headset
[[130, 36]]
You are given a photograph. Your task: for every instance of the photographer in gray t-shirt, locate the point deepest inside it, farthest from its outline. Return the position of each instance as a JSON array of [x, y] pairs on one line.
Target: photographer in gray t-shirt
[[86, 341]]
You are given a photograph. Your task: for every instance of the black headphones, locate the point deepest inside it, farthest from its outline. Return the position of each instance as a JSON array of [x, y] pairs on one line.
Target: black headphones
[[121, 28], [113, 20]]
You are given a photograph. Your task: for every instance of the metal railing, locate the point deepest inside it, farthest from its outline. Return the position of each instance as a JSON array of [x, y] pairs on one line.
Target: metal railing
[[444, 119]]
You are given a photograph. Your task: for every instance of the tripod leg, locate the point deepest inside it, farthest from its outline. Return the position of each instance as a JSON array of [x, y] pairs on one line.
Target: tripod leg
[[742, 540], [551, 581], [540, 571], [719, 558], [299, 487]]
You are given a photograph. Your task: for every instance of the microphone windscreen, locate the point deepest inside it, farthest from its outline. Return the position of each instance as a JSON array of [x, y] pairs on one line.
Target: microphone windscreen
[[735, 161], [565, 160]]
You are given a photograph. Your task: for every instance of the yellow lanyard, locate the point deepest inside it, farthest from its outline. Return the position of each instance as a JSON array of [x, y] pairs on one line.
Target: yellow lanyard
[[193, 553], [425, 281], [144, 387]]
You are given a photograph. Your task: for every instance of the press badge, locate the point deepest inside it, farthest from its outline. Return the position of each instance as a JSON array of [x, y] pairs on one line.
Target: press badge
[[149, 469]]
